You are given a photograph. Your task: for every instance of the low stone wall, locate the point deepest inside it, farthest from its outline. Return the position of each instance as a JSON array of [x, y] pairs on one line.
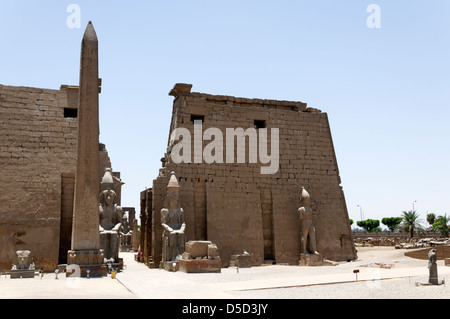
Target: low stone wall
[[399, 240], [382, 241], [442, 252]]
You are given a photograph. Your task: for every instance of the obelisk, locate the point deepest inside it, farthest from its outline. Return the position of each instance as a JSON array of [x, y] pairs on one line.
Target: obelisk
[[85, 250]]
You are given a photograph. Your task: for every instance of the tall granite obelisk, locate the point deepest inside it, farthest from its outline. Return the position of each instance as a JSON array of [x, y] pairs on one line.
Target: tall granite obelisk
[[85, 251]]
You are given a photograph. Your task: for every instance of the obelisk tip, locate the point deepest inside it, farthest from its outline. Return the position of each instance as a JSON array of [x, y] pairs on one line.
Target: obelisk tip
[[90, 34]]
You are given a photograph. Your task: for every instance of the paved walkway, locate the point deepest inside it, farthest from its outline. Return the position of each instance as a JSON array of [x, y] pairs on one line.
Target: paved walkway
[[232, 283], [137, 281], [148, 283], [63, 288]]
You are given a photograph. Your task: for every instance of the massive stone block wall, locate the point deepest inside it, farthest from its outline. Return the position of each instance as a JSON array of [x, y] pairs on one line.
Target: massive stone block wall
[[37, 156], [237, 207], [38, 149]]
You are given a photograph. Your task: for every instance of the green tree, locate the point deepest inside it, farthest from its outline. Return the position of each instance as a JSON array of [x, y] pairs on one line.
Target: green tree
[[392, 222], [441, 224], [351, 221], [431, 218], [369, 225], [411, 222]]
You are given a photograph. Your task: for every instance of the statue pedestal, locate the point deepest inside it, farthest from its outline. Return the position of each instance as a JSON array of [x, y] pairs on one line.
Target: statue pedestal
[[169, 265], [200, 256], [311, 260], [200, 265], [240, 261], [22, 273], [433, 278], [80, 261]]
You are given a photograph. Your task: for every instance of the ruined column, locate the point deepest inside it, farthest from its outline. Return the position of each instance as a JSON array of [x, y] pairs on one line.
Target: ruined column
[[86, 252]]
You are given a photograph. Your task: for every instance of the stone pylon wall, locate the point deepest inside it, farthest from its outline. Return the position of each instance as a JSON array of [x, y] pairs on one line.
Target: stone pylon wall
[[38, 150], [237, 207]]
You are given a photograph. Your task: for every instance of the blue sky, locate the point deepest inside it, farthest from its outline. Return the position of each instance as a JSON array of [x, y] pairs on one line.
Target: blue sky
[[386, 90]]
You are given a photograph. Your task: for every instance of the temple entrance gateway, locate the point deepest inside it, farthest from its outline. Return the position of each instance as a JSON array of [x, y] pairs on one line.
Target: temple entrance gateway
[[226, 195], [65, 234]]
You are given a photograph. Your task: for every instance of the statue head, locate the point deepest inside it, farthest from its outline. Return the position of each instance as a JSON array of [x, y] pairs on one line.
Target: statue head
[[432, 253], [24, 259], [107, 197], [305, 200]]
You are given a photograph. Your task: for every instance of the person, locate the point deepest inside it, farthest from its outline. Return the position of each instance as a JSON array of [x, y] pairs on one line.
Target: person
[[138, 257]]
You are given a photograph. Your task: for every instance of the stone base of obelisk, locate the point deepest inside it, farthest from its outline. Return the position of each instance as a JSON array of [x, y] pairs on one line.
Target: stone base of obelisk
[[84, 263]]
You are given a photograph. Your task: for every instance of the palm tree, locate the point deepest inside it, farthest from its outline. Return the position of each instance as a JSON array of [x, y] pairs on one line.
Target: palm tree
[[441, 224], [411, 222]]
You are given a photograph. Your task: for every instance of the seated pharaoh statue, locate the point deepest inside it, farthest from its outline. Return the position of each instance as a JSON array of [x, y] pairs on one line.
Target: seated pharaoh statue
[[110, 219], [125, 234], [172, 221]]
